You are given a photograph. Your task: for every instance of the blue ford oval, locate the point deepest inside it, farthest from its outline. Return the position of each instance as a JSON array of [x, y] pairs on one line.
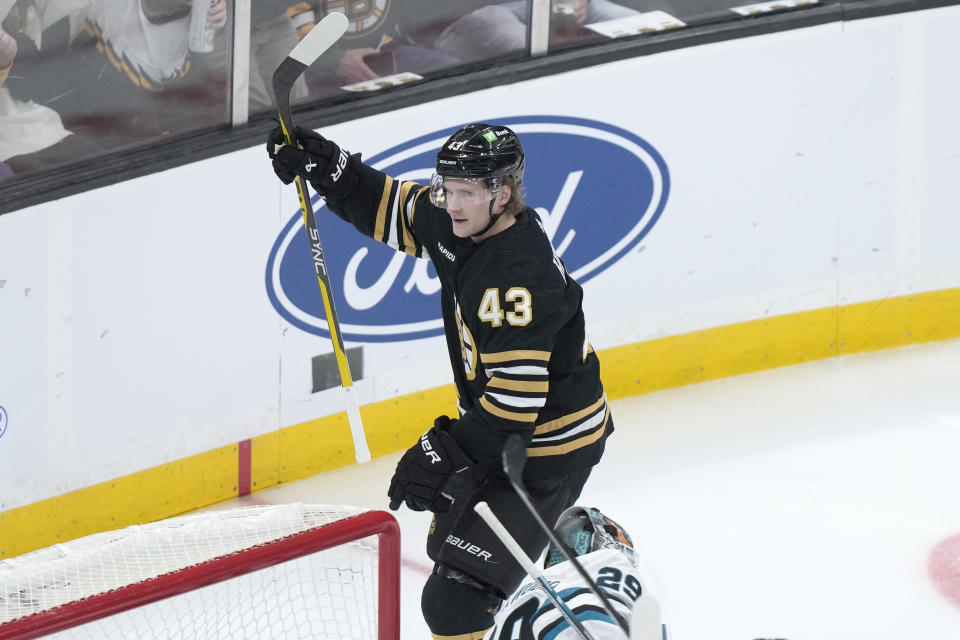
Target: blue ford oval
[[599, 189]]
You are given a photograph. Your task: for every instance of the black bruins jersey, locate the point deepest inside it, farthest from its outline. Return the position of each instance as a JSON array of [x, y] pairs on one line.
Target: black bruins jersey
[[513, 322]]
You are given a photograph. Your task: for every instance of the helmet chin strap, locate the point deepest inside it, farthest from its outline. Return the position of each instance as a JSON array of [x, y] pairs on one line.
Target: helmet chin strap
[[493, 220]]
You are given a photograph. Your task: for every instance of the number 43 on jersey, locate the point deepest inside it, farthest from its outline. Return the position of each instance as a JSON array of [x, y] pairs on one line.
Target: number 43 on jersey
[[516, 300]]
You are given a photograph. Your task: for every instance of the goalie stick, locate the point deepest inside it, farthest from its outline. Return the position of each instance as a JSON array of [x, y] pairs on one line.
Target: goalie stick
[[514, 458], [483, 510], [323, 35]]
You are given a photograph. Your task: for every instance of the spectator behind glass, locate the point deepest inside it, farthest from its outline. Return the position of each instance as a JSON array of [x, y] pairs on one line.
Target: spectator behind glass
[[127, 79], [26, 124], [389, 36], [424, 35], [137, 65], [502, 28], [272, 35], [697, 10], [8, 51]]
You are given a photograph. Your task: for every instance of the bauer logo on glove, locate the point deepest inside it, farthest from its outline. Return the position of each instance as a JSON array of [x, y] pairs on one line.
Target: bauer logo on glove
[[423, 476], [428, 449], [340, 165]]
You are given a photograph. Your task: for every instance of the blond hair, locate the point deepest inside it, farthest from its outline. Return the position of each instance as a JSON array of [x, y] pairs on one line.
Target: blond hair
[[515, 204]]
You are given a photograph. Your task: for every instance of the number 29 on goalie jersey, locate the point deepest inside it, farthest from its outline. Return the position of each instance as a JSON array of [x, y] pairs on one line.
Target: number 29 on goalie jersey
[[530, 615]]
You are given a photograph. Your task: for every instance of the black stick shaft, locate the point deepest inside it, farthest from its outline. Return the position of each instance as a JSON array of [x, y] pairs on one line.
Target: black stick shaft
[[319, 39], [514, 456], [483, 509]]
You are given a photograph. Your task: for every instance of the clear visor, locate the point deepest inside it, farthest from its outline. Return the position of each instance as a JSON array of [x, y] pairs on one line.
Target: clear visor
[[460, 192]]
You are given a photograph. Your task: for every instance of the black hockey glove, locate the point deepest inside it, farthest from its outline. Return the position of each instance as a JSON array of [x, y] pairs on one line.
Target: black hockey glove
[[425, 470], [325, 165]]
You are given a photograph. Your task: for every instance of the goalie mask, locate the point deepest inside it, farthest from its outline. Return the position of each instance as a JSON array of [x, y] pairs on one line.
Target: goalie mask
[[584, 529], [481, 153]]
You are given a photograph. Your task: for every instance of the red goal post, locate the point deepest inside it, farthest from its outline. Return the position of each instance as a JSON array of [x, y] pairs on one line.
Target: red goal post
[[342, 562]]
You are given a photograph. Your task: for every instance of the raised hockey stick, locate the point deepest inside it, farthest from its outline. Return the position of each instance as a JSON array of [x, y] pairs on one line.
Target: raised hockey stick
[[323, 35], [514, 459], [483, 509]]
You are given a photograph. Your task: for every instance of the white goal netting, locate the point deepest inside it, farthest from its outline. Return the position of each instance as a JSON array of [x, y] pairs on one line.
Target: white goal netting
[[286, 571]]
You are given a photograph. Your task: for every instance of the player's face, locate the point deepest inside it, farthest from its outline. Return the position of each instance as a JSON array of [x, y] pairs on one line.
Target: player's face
[[468, 203]]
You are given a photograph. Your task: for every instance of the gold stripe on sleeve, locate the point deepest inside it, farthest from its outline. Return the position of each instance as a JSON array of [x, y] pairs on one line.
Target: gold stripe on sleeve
[[507, 415], [520, 354], [563, 421], [567, 447], [380, 228], [519, 385], [424, 191], [409, 242], [118, 64]]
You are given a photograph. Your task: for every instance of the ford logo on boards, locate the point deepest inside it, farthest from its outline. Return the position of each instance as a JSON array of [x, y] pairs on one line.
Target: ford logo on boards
[[599, 189]]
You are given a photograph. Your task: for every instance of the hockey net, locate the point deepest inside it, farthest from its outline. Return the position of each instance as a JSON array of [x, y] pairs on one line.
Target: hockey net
[[285, 571]]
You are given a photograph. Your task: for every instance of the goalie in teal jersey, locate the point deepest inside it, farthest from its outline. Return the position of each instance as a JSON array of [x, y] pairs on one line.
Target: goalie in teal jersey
[[605, 550]]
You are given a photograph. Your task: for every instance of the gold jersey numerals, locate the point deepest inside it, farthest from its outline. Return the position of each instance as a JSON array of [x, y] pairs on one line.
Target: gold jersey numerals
[[492, 311]]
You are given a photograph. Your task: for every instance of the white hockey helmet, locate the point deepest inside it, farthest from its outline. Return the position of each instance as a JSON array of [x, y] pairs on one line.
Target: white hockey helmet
[[585, 529]]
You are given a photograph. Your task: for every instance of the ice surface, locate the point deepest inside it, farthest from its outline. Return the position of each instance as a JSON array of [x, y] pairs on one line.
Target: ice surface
[[802, 503]]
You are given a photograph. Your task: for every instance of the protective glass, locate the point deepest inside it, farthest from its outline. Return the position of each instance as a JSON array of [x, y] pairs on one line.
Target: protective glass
[[466, 192]]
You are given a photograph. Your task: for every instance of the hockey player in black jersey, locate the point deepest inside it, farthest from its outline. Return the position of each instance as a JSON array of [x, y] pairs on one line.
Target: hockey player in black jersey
[[514, 328]]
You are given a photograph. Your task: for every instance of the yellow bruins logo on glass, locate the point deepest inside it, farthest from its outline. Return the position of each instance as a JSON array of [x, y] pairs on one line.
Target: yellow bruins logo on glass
[[363, 15]]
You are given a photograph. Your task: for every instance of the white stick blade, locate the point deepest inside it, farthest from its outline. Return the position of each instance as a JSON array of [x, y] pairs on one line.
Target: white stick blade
[[356, 427], [323, 36]]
